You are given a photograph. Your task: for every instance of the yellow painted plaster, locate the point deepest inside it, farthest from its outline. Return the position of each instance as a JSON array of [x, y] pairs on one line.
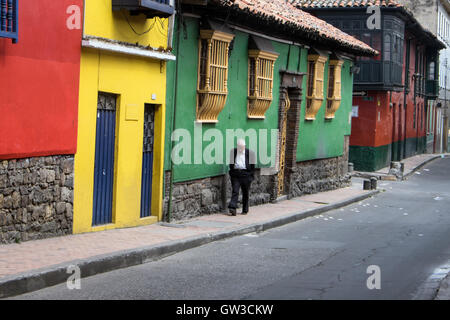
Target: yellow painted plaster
[[136, 81], [102, 21]]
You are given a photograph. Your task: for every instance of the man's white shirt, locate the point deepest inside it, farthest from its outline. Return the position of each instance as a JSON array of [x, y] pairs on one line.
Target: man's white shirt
[[240, 160]]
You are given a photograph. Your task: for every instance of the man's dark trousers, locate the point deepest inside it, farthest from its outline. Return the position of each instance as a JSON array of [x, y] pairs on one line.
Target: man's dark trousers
[[240, 180]]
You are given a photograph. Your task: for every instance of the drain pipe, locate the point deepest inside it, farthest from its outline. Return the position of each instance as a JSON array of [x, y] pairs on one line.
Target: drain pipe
[[179, 15]]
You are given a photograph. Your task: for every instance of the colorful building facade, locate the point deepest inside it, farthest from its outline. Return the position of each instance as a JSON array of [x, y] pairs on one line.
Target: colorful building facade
[[392, 91], [435, 15], [39, 67], [122, 109], [240, 71]]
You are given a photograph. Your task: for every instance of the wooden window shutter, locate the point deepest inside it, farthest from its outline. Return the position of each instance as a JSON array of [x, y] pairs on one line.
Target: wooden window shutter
[[334, 88], [260, 82], [212, 87], [314, 97]]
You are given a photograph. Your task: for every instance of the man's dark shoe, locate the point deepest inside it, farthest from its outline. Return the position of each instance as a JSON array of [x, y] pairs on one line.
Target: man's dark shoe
[[233, 211], [244, 212]]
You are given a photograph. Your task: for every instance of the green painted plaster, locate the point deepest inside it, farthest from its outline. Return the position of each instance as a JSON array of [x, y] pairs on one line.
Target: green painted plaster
[[317, 139]]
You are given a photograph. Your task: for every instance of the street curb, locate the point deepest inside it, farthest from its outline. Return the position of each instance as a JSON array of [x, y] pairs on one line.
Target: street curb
[[443, 292], [420, 166], [46, 277]]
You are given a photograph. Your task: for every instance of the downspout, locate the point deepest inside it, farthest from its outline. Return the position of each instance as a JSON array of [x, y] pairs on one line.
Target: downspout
[[178, 15], [299, 58], [416, 90], [288, 57], [405, 99], [434, 131]]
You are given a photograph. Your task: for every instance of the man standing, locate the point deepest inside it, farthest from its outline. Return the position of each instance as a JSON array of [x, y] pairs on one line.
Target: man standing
[[242, 167]]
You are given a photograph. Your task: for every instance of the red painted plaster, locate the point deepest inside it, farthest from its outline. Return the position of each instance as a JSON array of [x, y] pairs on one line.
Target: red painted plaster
[[39, 82], [384, 119]]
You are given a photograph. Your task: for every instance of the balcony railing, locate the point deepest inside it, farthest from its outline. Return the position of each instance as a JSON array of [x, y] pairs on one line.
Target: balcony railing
[[151, 8], [9, 16]]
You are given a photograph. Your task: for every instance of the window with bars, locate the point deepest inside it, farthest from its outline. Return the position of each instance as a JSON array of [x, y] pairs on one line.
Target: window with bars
[[310, 89], [260, 82], [314, 97], [331, 69], [9, 18], [334, 88], [212, 74]]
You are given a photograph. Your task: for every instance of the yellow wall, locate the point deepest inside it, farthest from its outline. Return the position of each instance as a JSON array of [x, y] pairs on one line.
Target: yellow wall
[[134, 79], [101, 21]]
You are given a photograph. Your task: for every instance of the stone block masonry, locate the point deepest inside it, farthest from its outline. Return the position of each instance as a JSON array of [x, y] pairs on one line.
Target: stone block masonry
[[36, 198], [211, 195]]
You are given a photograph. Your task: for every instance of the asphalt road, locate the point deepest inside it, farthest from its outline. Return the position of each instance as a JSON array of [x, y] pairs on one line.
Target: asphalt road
[[404, 231]]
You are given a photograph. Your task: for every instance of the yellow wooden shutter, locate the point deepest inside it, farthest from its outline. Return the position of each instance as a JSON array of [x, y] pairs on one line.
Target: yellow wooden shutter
[[260, 82], [334, 101], [212, 87], [316, 99]]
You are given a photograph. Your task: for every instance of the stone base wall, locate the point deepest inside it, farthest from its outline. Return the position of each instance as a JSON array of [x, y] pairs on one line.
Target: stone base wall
[[320, 175], [36, 198], [211, 195]]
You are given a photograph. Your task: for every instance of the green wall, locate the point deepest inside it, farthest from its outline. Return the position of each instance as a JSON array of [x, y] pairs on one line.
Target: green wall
[[323, 138], [371, 159], [317, 139]]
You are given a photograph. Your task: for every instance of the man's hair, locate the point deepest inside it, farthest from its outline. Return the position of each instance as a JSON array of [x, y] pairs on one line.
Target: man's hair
[[241, 142]]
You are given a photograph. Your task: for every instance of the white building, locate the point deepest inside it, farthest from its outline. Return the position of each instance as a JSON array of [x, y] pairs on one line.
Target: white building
[[435, 16]]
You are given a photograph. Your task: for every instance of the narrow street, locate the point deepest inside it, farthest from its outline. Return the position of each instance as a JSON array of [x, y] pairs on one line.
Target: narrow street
[[405, 231]]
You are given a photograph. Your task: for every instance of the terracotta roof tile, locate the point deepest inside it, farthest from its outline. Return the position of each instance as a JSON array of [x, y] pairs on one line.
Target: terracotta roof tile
[[344, 3], [285, 13], [325, 4]]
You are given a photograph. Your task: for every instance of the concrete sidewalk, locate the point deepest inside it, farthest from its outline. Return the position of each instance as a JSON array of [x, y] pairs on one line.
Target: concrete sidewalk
[[34, 265], [412, 164], [444, 289]]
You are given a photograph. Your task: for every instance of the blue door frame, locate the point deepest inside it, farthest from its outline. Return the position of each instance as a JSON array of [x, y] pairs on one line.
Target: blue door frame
[[147, 160]]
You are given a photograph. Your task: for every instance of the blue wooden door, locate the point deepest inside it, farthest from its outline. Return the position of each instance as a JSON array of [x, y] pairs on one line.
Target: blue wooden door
[[147, 161], [105, 142]]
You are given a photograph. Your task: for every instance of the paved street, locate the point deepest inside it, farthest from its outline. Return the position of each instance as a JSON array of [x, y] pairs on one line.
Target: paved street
[[405, 231]]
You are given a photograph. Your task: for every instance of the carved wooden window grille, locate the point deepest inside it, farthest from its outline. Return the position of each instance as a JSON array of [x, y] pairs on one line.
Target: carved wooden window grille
[[260, 82], [310, 91], [314, 97], [334, 88], [212, 74]]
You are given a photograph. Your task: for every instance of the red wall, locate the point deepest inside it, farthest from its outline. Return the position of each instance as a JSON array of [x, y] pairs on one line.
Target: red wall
[[39, 79], [372, 131], [364, 126]]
